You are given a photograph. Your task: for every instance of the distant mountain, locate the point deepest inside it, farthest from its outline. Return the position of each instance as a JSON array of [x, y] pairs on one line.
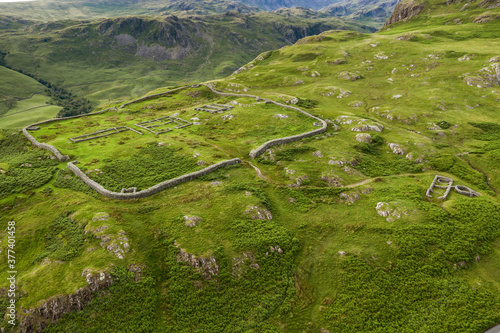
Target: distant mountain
[[362, 10], [207, 7], [13, 22], [301, 12], [53, 10], [271, 5]]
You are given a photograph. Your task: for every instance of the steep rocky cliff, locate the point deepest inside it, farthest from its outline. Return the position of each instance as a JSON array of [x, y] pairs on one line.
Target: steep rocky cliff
[[405, 10]]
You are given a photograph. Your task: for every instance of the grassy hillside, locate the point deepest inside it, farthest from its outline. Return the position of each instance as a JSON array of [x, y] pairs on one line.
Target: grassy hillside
[[22, 100], [115, 58], [17, 85], [333, 233]]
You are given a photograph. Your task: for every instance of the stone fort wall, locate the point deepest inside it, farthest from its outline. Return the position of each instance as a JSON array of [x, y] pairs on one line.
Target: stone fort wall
[[152, 190]]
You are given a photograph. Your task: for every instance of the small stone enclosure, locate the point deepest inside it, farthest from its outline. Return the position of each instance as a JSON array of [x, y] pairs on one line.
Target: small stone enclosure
[[446, 183]]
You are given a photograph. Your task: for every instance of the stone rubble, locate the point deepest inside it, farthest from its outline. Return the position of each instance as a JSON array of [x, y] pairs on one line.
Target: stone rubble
[[258, 213], [191, 221]]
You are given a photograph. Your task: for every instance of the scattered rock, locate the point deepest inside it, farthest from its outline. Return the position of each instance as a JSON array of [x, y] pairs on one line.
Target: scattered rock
[[486, 77], [356, 104], [364, 137], [337, 92], [349, 198], [391, 211], [100, 217], [300, 180], [227, 117], [380, 56], [332, 180], [201, 163], [338, 61], [281, 116], [383, 209], [367, 190], [368, 128], [317, 154], [258, 213], [191, 221], [276, 248], [242, 262], [396, 148], [137, 269], [348, 76]]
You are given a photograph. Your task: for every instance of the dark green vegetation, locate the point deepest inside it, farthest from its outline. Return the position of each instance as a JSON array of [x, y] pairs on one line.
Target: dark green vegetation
[[150, 166], [64, 239], [361, 247], [23, 168]]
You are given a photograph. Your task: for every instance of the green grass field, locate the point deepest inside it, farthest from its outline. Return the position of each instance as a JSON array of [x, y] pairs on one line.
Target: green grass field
[[29, 111], [16, 84]]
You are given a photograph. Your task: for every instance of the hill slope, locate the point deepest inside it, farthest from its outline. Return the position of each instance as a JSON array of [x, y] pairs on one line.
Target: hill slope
[[115, 58], [332, 233]]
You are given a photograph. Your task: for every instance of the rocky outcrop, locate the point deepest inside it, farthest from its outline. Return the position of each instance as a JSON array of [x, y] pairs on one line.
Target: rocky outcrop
[[191, 221], [405, 10], [364, 137], [51, 310], [207, 266], [242, 262], [259, 213]]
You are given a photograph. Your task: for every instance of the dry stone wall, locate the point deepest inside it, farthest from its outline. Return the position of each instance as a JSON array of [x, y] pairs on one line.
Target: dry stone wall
[[184, 178], [260, 150], [52, 149], [152, 190]]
